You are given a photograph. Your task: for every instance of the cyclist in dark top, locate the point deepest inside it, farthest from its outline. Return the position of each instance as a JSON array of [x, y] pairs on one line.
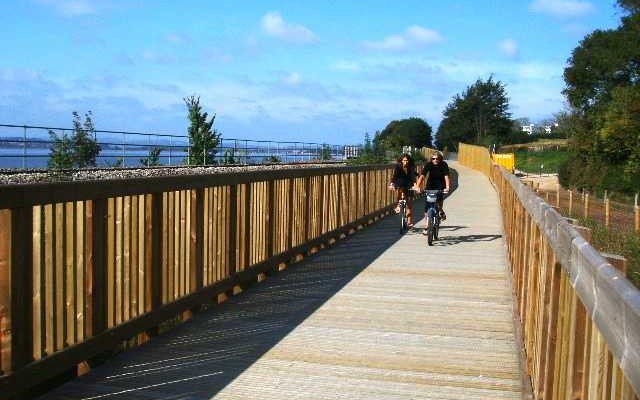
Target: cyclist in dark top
[[404, 177], [437, 173]]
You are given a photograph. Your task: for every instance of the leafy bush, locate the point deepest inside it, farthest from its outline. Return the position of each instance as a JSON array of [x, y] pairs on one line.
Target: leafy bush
[[76, 151], [272, 160], [153, 159]]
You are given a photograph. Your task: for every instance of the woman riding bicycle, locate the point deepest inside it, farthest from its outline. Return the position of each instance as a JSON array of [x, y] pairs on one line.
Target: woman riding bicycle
[[404, 177], [438, 179]]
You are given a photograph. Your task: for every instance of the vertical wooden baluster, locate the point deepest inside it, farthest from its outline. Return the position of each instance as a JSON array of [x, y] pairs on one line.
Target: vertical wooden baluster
[[21, 283], [198, 244]]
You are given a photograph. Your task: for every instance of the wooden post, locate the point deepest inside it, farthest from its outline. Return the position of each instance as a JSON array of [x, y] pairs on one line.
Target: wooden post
[[584, 232], [618, 262], [607, 211], [558, 195], [233, 230], [197, 241], [156, 253], [271, 216], [570, 202], [5, 289], [586, 205], [98, 292], [21, 287], [637, 214]]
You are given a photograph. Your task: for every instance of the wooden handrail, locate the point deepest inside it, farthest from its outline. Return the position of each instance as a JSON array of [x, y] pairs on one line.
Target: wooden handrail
[[87, 265], [580, 316]]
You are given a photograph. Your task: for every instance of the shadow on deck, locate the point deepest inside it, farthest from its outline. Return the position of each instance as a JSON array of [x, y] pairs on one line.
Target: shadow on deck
[[200, 357]]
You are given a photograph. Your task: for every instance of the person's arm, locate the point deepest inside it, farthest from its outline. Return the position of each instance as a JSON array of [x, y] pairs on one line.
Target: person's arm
[[420, 181], [393, 184], [447, 178]]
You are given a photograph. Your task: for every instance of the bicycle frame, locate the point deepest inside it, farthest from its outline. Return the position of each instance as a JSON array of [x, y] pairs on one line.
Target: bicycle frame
[[404, 225], [432, 211]]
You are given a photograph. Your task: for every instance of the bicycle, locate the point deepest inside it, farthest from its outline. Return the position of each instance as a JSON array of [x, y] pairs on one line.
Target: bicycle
[[432, 214], [402, 205], [404, 222]]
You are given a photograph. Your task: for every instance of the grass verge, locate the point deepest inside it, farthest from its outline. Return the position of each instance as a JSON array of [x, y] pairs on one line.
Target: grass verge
[[626, 244]]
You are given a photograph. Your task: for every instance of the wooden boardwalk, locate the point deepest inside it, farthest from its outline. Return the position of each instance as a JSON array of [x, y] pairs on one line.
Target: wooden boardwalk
[[377, 316]]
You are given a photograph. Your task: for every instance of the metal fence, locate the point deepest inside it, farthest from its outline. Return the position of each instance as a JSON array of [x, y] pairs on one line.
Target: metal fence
[[26, 147]]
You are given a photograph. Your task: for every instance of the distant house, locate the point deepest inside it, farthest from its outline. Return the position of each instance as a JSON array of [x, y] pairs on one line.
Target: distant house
[[351, 151], [528, 128]]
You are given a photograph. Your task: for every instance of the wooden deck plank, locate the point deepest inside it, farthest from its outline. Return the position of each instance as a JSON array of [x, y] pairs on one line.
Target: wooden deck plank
[[377, 316]]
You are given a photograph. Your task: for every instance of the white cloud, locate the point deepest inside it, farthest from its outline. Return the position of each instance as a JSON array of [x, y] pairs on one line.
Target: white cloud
[[177, 38], [344, 65], [155, 57], [413, 37], [539, 71], [71, 8], [423, 35], [273, 25], [508, 47], [292, 79], [562, 8]]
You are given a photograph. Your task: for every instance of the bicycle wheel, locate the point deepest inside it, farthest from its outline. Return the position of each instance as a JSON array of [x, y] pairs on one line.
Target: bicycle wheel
[[436, 227], [403, 219], [431, 230], [430, 234]]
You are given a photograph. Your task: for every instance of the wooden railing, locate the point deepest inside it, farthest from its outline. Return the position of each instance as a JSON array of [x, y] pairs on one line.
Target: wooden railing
[[87, 265], [580, 317], [476, 157]]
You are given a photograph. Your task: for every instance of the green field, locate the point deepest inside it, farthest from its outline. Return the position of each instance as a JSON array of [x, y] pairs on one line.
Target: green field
[[545, 161]]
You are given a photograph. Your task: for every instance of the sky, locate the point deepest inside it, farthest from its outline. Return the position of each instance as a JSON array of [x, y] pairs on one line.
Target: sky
[[316, 71]]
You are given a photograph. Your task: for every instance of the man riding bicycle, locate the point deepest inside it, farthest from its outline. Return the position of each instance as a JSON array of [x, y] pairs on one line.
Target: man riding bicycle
[[436, 172]]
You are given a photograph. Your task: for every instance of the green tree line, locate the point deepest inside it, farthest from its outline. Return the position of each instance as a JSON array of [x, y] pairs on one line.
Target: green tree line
[[603, 123]]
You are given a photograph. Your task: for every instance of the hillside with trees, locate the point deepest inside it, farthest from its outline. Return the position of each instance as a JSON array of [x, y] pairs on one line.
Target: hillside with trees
[[603, 122], [414, 132]]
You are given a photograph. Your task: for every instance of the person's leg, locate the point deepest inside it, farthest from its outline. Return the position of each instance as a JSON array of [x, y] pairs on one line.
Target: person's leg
[[409, 212], [443, 216], [426, 216]]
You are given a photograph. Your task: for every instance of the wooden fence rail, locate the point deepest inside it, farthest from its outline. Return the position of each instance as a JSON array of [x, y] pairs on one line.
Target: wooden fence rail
[[86, 265], [580, 316]]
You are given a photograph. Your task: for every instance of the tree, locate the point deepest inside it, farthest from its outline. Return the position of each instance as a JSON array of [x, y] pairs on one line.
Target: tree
[[86, 148], [619, 134], [604, 60], [272, 159], [203, 139], [603, 89], [153, 158], [80, 150], [325, 154], [61, 151], [479, 115], [414, 132], [229, 157], [370, 154]]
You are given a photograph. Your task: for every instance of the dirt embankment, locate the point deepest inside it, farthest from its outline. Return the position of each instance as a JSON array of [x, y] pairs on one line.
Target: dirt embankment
[[546, 182]]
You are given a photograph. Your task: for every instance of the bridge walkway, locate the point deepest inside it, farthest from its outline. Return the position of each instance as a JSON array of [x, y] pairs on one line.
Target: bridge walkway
[[376, 316]]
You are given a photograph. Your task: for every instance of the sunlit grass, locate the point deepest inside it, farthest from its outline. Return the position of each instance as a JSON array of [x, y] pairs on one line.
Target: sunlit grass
[[545, 161], [626, 244]]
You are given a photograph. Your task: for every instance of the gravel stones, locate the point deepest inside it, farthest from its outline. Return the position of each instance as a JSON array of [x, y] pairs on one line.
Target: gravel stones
[[8, 177]]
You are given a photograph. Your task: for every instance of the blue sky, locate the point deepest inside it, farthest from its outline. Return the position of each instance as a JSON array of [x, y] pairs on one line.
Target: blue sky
[[319, 71]]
